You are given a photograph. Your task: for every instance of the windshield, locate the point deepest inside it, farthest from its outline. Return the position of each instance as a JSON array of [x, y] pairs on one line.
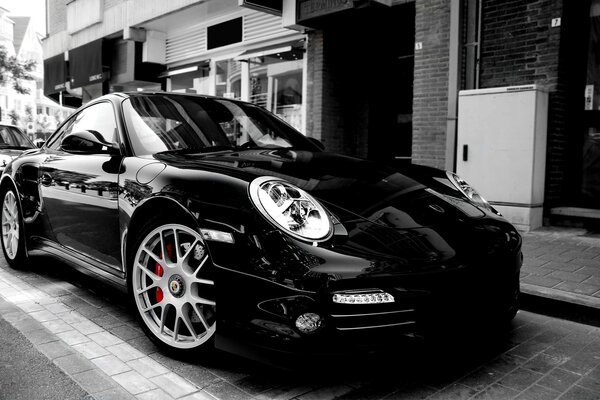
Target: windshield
[[14, 138], [162, 122]]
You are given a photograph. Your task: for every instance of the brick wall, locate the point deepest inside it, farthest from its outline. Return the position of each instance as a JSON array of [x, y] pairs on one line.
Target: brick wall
[[430, 102], [519, 47]]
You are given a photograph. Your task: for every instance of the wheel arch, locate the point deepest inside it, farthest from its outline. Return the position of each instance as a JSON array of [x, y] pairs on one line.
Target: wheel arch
[[158, 205]]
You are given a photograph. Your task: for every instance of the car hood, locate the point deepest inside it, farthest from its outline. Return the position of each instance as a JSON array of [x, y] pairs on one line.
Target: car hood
[[397, 220]]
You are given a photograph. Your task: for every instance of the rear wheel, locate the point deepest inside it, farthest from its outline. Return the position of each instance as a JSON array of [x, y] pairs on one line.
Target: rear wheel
[[172, 286], [13, 238]]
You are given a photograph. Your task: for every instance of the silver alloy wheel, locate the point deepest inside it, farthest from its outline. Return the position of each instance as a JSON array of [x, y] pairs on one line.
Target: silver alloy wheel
[[173, 290], [10, 225]]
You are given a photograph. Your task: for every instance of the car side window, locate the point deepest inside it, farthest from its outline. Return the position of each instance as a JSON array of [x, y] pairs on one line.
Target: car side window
[[98, 119]]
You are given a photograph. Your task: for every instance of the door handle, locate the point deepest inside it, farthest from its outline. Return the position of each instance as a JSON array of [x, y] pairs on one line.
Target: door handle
[[46, 179], [465, 152]]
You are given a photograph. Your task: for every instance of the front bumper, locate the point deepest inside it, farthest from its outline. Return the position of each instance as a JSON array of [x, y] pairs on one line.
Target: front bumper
[[425, 305]]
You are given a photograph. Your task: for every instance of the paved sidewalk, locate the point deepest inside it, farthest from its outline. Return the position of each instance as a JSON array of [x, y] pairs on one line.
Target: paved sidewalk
[[562, 264], [87, 332]]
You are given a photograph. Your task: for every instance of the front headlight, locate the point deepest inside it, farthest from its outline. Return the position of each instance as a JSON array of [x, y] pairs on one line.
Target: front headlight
[[469, 192], [291, 209]]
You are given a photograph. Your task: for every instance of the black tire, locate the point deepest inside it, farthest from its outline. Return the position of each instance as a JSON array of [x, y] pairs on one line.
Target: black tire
[[173, 296], [13, 234]]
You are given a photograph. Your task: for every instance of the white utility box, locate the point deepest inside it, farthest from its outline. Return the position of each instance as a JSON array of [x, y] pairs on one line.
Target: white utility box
[[501, 149]]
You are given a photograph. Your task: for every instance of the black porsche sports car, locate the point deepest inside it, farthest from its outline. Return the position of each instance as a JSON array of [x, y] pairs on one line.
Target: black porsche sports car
[[192, 202]]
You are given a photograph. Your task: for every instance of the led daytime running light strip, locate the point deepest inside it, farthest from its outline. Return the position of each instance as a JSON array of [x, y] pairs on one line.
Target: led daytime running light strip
[[363, 298]]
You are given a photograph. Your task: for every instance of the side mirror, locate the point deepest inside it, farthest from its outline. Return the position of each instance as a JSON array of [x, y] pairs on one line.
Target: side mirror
[[316, 142], [88, 142]]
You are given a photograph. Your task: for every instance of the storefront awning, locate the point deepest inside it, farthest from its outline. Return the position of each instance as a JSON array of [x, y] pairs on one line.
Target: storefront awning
[[285, 52], [86, 64], [55, 81], [55, 74]]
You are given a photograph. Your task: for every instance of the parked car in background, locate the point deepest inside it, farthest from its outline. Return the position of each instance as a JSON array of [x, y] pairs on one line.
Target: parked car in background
[[225, 225], [13, 141]]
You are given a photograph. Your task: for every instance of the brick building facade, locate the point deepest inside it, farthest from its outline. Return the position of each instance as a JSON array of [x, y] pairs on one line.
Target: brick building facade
[[381, 78]]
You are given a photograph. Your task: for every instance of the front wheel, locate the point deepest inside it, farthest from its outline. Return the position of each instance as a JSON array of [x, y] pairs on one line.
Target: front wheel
[[13, 238], [173, 289]]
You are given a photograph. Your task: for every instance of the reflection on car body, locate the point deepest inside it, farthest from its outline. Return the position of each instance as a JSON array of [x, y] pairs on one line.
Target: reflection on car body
[[191, 201]]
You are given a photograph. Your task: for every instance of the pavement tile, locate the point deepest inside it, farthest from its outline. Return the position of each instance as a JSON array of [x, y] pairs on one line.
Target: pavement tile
[[147, 367], [32, 306], [73, 363], [580, 288], [94, 381], [455, 391], [562, 266], [87, 327], [581, 363], [57, 308], [134, 383], [126, 332], [481, 378], [55, 349], [595, 263], [125, 352], [200, 395], [156, 394], [506, 363], [580, 393], [43, 315], [541, 281], [537, 392], [91, 312], [198, 375], [544, 363], [569, 276], [105, 339], [292, 391], [57, 326], [111, 365], [520, 379], [143, 344], [39, 336], [174, 385], [106, 321], [73, 337], [116, 393], [71, 317], [327, 392], [496, 392], [27, 324], [91, 350]]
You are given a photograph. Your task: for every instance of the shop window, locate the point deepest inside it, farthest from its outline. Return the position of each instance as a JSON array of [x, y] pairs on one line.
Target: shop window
[[276, 84], [191, 82], [228, 79]]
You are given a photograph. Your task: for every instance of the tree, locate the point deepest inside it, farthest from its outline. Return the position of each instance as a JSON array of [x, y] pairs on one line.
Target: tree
[[14, 117], [14, 71], [29, 114]]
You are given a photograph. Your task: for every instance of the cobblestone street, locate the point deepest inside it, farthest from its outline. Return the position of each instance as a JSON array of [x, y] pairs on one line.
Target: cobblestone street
[[85, 331]]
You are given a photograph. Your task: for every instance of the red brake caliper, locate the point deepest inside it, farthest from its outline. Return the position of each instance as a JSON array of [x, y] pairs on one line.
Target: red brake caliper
[[158, 270]]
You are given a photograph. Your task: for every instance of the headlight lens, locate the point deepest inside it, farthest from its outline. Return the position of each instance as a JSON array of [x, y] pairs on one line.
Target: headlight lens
[[468, 191], [291, 209]]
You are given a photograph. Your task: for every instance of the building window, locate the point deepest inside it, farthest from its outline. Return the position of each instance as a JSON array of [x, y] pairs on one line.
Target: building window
[[228, 79], [191, 82], [276, 84]]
